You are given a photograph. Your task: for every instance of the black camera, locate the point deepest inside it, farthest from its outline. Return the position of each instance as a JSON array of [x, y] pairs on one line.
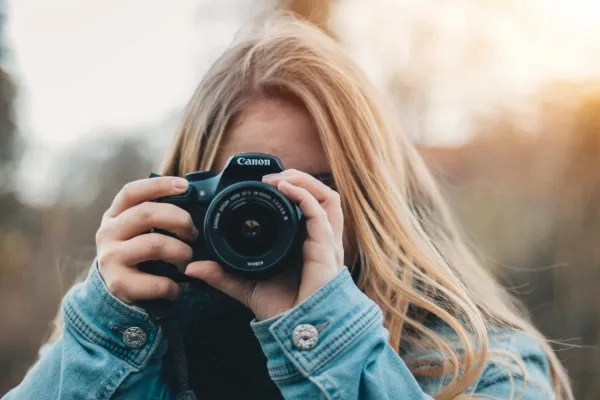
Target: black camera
[[247, 226]]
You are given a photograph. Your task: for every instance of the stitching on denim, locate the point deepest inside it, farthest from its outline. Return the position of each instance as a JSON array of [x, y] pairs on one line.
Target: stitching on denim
[[81, 327], [302, 310], [347, 337], [339, 342], [296, 320], [263, 335], [312, 302], [281, 367], [330, 387], [368, 318], [290, 319], [285, 371], [294, 317], [113, 382], [335, 345], [134, 357], [322, 388]]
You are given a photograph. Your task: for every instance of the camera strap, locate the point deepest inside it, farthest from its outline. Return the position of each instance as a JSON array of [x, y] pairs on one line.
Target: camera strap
[[163, 313]]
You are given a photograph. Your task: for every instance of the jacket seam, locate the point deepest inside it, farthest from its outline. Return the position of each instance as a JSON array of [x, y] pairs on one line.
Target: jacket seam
[[348, 336], [283, 372], [324, 390], [77, 323], [335, 345], [329, 388], [113, 382]]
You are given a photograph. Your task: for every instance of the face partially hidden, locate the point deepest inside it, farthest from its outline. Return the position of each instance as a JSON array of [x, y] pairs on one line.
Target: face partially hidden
[[284, 129]]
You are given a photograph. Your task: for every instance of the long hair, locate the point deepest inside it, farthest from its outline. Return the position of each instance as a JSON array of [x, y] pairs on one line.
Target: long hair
[[411, 255], [413, 262]]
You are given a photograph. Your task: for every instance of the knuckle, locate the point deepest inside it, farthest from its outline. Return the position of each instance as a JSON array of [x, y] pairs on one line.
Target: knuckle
[[105, 231], [162, 185], [107, 257], [335, 197], [115, 286], [100, 234], [310, 248], [126, 191], [182, 252], [144, 213], [304, 194], [155, 243], [106, 216]]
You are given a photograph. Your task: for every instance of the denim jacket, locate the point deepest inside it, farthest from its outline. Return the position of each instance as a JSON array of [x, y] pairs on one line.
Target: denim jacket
[[344, 354]]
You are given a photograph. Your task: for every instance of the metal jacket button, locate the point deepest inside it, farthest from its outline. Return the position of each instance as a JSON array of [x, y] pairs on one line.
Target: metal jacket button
[[134, 337], [305, 337]]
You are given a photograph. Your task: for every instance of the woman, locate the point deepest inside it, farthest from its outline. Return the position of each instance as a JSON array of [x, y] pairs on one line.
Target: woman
[[389, 304]]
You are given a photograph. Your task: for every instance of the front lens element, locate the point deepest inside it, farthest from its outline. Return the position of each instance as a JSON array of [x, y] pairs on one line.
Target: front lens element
[[251, 227]]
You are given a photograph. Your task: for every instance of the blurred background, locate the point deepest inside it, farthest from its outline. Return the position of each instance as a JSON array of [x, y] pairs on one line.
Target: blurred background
[[501, 96]]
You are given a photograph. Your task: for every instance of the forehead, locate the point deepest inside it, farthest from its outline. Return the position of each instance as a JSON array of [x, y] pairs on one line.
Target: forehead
[[279, 127]]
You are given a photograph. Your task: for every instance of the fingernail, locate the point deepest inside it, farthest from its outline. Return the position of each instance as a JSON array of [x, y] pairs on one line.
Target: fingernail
[[177, 293], [195, 233], [180, 183], [269, 176], [187, 270]]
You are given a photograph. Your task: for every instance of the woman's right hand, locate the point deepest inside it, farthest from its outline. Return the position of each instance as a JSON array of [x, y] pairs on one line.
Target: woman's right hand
[[122, 240]]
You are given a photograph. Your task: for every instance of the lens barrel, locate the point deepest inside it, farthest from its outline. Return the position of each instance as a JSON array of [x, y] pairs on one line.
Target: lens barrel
[[252, 229]]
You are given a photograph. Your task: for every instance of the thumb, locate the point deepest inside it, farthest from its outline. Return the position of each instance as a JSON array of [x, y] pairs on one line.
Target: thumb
[[214, 274]]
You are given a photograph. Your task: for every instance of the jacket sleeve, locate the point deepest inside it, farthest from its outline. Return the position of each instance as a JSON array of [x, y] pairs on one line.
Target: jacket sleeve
[[107, 350], [505, 378], [334, 346]]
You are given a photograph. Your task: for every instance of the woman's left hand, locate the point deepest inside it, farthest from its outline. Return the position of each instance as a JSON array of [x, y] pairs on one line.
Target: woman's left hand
[[323, 251]]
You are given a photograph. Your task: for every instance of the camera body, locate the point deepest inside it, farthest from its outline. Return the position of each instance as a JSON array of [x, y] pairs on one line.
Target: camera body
[[247, 226]]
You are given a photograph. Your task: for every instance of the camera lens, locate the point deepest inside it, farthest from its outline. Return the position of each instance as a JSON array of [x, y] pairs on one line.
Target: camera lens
[[251, 228]]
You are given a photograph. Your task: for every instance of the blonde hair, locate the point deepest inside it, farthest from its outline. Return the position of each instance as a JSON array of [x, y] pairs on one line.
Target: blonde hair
[[411, 255], [410, 251]]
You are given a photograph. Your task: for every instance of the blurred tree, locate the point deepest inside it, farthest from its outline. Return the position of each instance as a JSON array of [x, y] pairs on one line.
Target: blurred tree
[[43, 250], [530, 202], [8, 132]]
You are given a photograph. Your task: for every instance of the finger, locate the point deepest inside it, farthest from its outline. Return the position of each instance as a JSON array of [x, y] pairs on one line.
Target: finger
[[142, 190], [317, 224], [214, 274], [328, 198], [317, 188], [152, 246], [143, 217], [133, 285]]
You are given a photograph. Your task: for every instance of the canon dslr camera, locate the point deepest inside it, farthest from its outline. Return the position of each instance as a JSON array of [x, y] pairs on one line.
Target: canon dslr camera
[[247, 226]]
